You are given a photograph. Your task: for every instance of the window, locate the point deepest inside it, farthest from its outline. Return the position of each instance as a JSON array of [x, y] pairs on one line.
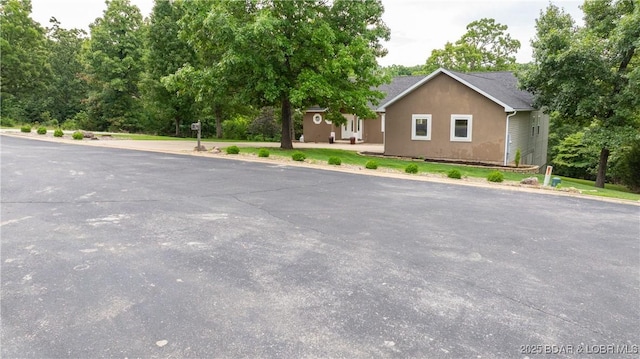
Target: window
[[461, 128], [421, 127], [317, 118]]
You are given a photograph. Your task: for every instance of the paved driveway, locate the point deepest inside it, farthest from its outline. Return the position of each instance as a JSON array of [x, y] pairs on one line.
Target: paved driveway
[[118, 253]]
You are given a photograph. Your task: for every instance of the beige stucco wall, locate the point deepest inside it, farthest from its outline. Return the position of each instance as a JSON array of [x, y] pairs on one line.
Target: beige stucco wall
[[320, 132], [441, 97]]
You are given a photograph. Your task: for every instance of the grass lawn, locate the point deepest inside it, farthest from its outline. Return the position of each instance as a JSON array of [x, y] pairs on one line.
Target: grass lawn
[[143, 137], [353, 158]]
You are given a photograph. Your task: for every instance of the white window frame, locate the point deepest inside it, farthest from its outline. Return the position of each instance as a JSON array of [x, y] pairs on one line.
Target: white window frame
[[469, 119], [317, 118], [416, 117]]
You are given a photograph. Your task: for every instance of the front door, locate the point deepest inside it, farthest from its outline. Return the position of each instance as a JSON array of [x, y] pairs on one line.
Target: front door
[[353, 128]]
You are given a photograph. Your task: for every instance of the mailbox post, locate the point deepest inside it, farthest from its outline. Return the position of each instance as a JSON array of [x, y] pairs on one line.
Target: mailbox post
[[197, 126]]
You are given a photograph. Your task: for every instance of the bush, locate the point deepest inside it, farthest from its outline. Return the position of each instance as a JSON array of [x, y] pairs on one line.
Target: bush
[[233, 150], [298, 156], [518, 156], [58, 133], [7, 122], [371, 164], [411, 168], [495, 176], [263, 152], [70, 125], [77, 135], [25, 128], [454, 173], [236, 128], [42, 130], [333, 160]]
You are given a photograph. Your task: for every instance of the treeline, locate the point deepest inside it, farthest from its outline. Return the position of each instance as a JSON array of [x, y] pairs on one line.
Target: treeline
[[247, 67]]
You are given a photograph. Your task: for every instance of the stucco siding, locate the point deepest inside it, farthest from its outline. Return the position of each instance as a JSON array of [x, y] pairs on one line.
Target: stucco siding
[[372, 132], [317, 132], [441, 97]]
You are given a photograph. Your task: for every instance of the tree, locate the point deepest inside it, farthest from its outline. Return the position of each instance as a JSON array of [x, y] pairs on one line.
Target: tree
[[294, 54], [114, 64], [401, 70], [24, 69], [486, 46], [590, 75], [67, 89], [166, 54]]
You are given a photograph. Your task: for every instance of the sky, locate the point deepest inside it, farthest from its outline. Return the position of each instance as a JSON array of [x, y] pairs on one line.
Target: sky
[[417, 26]]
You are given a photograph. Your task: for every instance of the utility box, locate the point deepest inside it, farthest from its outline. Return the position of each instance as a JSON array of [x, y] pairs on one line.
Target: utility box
[[555, 181]]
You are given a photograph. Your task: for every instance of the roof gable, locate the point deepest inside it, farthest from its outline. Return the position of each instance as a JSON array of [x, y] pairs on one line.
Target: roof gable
[[499, 87]]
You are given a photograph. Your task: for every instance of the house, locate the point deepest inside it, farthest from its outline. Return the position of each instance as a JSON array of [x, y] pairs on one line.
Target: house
[[318, 129], [475, 117], [450, 116]]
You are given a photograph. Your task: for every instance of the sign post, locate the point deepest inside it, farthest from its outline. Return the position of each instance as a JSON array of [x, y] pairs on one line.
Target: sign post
[[197, 126], [547, 176]]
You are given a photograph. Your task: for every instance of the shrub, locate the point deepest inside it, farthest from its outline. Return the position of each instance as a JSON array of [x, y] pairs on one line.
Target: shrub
[[517, 159], [495, 176], [333, 160], [411, 168], [233, 150], [42, 130], [69, 125], [236, 128], [371, 164], [7, 122], [77, 135], [454, 173], [298, 156], [263, 152], [58, 133], [25, 128]]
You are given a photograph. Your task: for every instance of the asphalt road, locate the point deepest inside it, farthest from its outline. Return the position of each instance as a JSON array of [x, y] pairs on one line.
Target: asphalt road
[[120, 253]]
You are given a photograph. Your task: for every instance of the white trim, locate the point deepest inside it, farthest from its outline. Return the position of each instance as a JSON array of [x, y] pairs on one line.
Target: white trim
[[328, 122], [507, 108], [415, 117], [506, 139], [382, 121], [453, 136], [317, 118]]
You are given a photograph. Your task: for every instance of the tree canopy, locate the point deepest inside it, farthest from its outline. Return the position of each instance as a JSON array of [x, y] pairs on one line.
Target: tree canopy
[[486, 46], [590, 75]]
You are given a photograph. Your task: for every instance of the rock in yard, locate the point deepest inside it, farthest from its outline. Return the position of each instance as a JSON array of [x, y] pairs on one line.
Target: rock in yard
[[215, 150], [533, 181]]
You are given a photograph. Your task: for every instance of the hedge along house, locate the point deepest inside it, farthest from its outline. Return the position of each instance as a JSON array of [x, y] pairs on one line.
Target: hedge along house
[[474, 117], [317, 129]]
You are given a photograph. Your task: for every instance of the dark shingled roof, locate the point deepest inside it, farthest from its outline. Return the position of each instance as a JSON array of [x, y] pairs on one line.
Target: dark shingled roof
[[396, 87], [502, 85]]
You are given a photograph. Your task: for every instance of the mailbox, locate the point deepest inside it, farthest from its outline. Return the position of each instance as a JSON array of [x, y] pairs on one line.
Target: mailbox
[[195, 126]]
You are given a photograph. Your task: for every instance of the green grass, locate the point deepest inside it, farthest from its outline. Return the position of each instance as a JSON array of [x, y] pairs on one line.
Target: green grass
[[143, 137], [353, 158]]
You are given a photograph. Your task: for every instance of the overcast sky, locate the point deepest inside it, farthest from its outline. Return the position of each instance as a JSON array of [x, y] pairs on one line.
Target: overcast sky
[[417, 26]]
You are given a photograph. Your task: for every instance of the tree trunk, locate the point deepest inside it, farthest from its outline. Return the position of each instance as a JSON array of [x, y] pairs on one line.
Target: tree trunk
[[218, 115], [285, 141], [602, 167], [177, 121]]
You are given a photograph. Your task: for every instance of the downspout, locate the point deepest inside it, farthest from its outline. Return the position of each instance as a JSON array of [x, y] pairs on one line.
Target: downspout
[[506, 138]]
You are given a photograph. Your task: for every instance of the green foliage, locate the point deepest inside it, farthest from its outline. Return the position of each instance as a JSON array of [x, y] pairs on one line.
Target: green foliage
[[23, 69], [113, 58], [411, 168], [454, 173], [233, 150], [371, 164], [58, 133], [603, 91], [627, 168], [42, 130], [264, 127], [575, 158], [401, 70], [7, 122], [495, 176], [311, 52], [486, 46], [298, 156], [236, 128], [25, 128], [518, 157], [333, 160], [77, 135], [263, 152]]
